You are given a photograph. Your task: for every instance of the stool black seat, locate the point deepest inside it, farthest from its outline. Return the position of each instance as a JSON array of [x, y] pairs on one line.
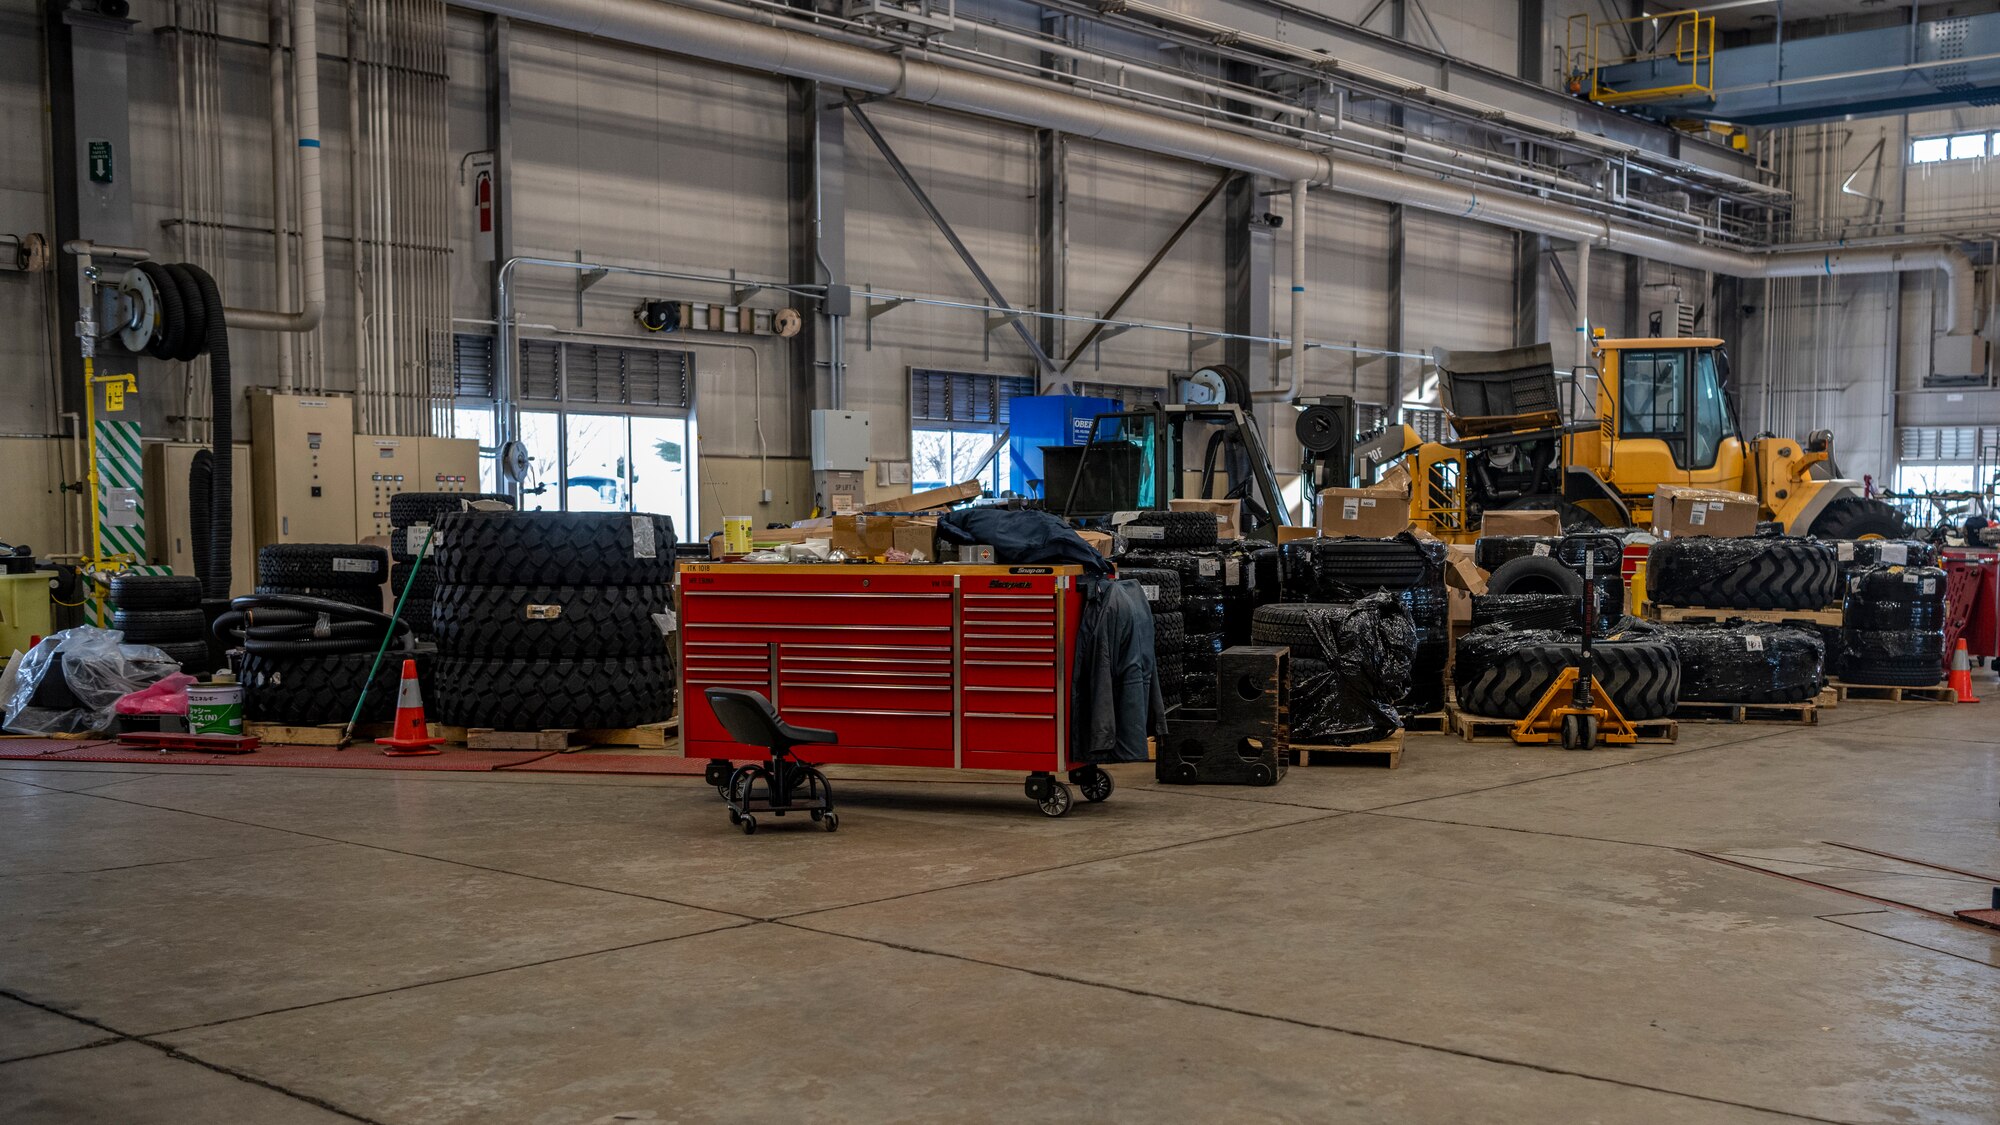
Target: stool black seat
[[784, 783]]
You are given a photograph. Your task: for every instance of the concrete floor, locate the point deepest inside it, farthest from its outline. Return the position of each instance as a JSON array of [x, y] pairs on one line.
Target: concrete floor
[[1487, 934]]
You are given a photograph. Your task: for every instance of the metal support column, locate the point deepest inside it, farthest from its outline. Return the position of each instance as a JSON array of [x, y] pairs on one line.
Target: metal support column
[[1398, 260], [1052, 243], [1529, 37], [1582, 349], [90, 136], [1044, 366], [1531, 291], [1247, 243], [817, 183], [500, 138]]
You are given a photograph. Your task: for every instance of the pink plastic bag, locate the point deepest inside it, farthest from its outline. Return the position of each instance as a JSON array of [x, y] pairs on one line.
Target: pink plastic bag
[[166, 697]]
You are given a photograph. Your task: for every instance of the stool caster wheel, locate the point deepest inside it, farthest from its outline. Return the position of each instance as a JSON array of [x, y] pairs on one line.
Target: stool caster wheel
[[1058, 801], [831, 821], [749, 825], [1093, 783], [735, 817]]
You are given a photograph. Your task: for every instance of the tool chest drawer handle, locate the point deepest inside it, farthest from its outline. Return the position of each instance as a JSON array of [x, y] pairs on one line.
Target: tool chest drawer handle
[[809, 594], [1010, 663], [848, 672], [1008, 715], [858, 711], [864, 687], [1024, 690], [793, 646]]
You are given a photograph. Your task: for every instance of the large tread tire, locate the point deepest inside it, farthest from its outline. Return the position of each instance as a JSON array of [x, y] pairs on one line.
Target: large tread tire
[[1522, 612], [1161, 586], [427, 583], [309, 690], [325, 566], [1747, 663], [1895, 599], [159, 626], [1853, 517], [193, 656], [545, 694], [549, 621], [1290, 624], [406, 508], [1535, 574], [554, 548], [1202, 573], [1169, 634], [1205, 615], [369, 597], [1502, 674], [1171, 530], [155, 591], [1345, 569], [1913, 658], [1774, 572], [1491, 552]]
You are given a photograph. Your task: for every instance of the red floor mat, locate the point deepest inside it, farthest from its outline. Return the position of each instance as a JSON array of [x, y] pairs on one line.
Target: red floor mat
[[359, 757], [24, 749], [612, 763]]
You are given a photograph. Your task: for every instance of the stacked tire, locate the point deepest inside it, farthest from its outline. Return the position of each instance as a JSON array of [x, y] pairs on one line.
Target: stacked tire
[[1162, 589], [1766, 572], [1341, 571], [1546, 566], [309, 661], [163, 610], [1892, 626], [414, 517], [545, 620], [1746, 662], [1351, 666], [1185, 544], [339, 572], [1855, 555]]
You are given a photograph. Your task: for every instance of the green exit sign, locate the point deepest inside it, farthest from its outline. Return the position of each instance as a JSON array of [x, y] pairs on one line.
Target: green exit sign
[[100, 162]]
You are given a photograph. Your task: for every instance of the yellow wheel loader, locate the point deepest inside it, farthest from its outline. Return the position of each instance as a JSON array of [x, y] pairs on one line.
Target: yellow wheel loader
[[1662, 416]]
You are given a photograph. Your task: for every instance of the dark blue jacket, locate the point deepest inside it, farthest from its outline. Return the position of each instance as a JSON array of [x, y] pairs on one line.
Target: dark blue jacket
[[1115, 699]]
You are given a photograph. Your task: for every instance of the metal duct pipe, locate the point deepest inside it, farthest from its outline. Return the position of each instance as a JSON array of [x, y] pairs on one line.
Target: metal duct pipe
[[305, 79], [738, 42]]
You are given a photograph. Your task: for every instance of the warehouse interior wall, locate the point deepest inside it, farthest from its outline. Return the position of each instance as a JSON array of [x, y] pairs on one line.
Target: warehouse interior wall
[[631, 157]]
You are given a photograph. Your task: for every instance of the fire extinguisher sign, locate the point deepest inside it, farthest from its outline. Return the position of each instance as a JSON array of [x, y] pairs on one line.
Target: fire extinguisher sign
[[480, 167]]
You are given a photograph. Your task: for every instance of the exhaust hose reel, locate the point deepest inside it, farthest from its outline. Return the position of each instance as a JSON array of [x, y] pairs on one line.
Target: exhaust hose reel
[[181, 318]]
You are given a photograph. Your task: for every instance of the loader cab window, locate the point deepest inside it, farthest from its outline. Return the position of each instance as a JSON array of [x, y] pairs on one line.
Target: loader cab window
[[1677, 397]]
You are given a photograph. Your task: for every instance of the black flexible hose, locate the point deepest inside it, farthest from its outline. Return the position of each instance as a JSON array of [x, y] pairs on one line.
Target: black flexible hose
[[286, 625], [192, 324], [201, 471], [166, 338]]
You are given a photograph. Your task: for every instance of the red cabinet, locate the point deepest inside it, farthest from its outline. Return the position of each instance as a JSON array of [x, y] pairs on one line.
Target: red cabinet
[[950, 666]]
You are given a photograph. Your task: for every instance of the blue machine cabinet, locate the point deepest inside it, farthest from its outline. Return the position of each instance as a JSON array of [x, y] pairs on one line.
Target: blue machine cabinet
[[1040, 420]]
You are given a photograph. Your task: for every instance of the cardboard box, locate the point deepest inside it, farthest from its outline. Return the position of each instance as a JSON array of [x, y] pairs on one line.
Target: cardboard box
[[1289, 534], [1373, 512], [1102, 542], [935, 498], [1228, 514], [917, 536], [1680, 510], [1523, 521], [873, 536]]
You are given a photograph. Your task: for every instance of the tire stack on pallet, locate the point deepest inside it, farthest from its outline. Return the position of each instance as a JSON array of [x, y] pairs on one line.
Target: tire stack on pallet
[[163, 610], [1163, 596], [1529, 576], [339, 572], [414, 517], [1854, 555], [1351, 667], [1501, 673], [545, 620], [1185, 543], [1342, 571], [1725, 668], [1892, 627]]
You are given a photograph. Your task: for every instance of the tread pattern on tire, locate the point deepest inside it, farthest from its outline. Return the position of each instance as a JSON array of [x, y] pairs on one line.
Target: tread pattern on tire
[[307, 690], [543, 694], [1749, 662], [1169, 633], [525, 621], [1914, 658], [1176, 530], [155, 591], [1344, 569], [1772, 572], [1491, 552], [406, 508], [1895, 599], [424, 590], [553, 548], [322, 565], [1162, 586], [193, 656], [157, 626], [1201, 573], [1502, 674]]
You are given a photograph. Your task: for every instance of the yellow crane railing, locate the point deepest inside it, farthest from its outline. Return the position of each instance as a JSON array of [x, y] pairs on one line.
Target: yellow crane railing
[[1684, 38]]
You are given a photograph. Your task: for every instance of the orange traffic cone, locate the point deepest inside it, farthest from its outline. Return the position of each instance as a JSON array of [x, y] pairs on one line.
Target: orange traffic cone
[[411, 734], [1960, 680]]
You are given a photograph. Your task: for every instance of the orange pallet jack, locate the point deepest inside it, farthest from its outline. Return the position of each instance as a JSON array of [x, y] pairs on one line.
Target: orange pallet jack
[[1576, 708]]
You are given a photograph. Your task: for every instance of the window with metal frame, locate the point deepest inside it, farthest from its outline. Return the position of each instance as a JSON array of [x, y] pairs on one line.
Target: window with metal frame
[[956, 417]]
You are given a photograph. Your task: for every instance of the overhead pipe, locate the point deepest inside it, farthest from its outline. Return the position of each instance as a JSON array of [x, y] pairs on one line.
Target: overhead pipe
[[305, 80], [741, 43]]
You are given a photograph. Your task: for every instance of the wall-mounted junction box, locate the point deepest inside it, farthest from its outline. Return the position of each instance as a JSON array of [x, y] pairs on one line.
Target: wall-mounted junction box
[[840, 440], [302, 467]]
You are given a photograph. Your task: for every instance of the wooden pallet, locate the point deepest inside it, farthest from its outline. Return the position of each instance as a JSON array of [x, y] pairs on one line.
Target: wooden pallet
[[1882, 693], [1432, 722], [652, 736], [1312, 754], [322, 734], [1711, 615], [1483, 728], [1802, 714]]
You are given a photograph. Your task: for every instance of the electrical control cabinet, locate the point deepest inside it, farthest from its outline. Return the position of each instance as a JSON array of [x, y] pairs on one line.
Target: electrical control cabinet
[[447, 465], [168, 540], [302, 468], [383, 466], [840, 440]]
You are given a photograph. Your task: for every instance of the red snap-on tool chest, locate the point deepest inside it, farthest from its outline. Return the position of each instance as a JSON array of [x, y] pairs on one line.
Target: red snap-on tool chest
[[958, 667]]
